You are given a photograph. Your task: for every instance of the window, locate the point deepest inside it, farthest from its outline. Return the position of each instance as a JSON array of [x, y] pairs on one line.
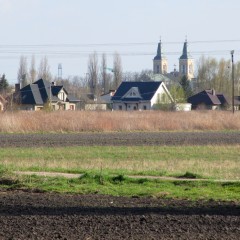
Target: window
[[144, 107], [190, 68], [134, 108], [183, 69], [164, 68], [158, 69], [132, 94], [120, 107]]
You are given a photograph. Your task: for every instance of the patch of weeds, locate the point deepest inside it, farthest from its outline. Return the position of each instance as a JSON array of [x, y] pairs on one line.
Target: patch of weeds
[[118, 179], [99, 179], [231, 184], [191, 183], [142, 180], [190, 175], [8, 181]]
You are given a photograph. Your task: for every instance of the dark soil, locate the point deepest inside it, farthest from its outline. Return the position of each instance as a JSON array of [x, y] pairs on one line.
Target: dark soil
[[28, 215], [135, 138]]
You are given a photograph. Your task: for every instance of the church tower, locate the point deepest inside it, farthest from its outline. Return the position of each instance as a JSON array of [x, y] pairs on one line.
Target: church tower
[[186, 63], [160, 63]]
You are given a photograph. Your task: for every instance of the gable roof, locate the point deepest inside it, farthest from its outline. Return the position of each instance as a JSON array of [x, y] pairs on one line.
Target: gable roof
[[146, 91], [30, 94], [206, 97], [39, 92], [72, 99]]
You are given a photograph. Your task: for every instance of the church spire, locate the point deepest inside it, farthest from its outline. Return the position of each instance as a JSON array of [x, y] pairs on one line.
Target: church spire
[[160, 64], [186, 63], [159, 51], [185, 54]]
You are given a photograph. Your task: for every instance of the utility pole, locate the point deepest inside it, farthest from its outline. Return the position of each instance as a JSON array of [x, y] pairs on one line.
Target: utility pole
[[232, 53], [50, 96]]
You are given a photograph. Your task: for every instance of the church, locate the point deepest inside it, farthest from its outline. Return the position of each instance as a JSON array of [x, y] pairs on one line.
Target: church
[[186, 64]]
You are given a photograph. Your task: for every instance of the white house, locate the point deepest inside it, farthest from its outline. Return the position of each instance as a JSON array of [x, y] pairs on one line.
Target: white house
[[141, 96]]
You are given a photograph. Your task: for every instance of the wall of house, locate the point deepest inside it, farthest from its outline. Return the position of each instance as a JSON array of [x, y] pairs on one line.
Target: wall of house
[[28, 107], [162, 96], [96, 106], [62, 95], [119, 106], [131, 106], [185, 107]]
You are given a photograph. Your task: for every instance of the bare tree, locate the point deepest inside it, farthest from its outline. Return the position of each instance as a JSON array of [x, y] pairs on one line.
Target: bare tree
[[22, 72], [104, 74], [117, 70], [215, 74], [32, 70], [44, 70], [93, 73]]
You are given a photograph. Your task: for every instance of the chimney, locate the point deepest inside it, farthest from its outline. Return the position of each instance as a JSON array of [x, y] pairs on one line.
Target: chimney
[[213, 92], [53, 83], [17, 87]]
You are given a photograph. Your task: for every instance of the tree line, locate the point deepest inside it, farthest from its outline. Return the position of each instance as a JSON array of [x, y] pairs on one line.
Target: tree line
[[100, 78]]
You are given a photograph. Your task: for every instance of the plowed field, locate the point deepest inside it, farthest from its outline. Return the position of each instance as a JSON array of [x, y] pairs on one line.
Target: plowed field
[[29, 215], [135, 138]]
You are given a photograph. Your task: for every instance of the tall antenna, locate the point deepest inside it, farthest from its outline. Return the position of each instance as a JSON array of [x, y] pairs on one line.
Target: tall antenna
[[59, 71]]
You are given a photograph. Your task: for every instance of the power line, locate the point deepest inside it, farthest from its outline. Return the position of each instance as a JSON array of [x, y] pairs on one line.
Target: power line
[[113, 44]]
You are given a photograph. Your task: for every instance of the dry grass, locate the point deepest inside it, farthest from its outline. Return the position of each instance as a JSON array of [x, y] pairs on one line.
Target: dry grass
[[80, 121], [220, 162]]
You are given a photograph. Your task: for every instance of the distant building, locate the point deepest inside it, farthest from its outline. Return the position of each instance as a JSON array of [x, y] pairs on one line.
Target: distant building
[[41, 93], [208, 99], [186, 64], [141, 96], [160, 63]]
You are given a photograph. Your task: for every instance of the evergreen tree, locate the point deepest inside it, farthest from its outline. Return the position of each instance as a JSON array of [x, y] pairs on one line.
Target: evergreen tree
[[3, 84], [185, 83]]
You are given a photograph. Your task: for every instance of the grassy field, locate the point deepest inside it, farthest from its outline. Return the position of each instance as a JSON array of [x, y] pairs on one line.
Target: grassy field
[[105, 170], [214, 162], [106, 121], [121, 185]]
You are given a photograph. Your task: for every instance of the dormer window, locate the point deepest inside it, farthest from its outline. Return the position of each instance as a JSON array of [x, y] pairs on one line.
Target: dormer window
[[132, 94]]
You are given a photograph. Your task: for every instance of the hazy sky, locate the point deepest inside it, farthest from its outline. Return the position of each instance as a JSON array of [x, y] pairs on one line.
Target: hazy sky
[[68, 31]]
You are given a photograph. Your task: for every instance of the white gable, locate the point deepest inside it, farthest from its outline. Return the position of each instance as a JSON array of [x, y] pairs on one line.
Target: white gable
[[133, 93]]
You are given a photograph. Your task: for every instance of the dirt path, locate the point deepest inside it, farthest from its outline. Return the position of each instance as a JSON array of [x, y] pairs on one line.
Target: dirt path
[[70, 175]]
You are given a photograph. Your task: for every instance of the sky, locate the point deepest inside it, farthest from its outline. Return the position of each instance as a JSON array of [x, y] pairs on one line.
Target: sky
[[67, 31]]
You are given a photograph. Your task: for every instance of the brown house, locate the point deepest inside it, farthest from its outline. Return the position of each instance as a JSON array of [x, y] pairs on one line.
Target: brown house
[[208, 99]]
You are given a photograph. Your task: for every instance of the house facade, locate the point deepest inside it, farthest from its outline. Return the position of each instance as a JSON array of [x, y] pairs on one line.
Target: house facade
[[141, 96], [210, 100], [41, 94]]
